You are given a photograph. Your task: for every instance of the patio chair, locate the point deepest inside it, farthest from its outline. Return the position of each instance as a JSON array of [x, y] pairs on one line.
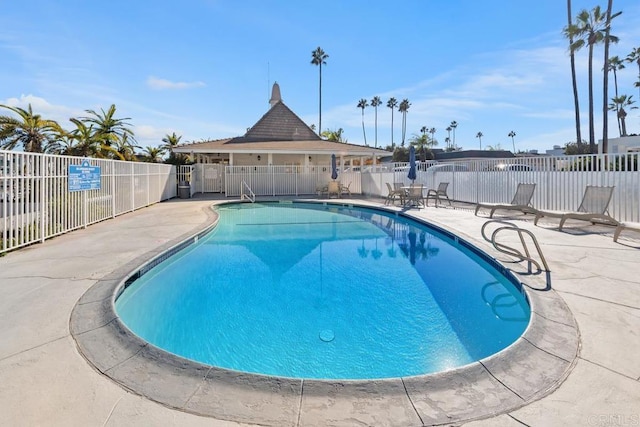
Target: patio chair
[[321, 189], [438, 194], [344, 189], [414, 196], [521, 201], [593, 208], [333, 188], [393, 194], [635, 226]]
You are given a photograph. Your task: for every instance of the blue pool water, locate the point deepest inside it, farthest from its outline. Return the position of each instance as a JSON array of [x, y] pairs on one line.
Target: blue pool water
[[320, 291]]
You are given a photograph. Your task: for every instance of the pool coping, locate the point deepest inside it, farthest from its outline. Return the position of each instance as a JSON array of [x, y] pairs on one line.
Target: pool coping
[[531, 368]]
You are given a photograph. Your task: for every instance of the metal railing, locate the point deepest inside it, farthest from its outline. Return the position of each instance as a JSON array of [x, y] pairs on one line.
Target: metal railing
[[36, 202], [248, 195]]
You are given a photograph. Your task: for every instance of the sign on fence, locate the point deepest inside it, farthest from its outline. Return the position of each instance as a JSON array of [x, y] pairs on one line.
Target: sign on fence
[[84, 177]]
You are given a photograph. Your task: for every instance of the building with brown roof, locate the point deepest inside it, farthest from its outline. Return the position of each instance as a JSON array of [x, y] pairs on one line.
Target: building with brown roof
[[280, 137]]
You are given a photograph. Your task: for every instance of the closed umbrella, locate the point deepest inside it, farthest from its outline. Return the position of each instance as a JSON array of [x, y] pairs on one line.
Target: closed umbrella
[[334, 169], [412, 163]]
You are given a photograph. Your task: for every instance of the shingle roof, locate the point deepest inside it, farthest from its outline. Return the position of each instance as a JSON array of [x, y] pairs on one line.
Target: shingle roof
[[281, 124]]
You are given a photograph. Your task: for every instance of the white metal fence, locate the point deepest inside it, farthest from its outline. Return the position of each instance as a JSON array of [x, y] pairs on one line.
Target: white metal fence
[[36, 204], [560, 181]]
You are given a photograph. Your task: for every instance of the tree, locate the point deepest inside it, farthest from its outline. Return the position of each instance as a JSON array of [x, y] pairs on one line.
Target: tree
[[573, 148], [512, 134], [616, 64], [363, 104], [392, 103], [496, 147], [617, 104], [108, 129], [171, 142], [125, 148], [432, 131], [334, 135], [634, 56], [479, 135], [319, 58], [453, 127], [404, 109], [605, 84], [423, 144], [29, 131], [375, 101], [576, 104], [152, 154], [590, 30]]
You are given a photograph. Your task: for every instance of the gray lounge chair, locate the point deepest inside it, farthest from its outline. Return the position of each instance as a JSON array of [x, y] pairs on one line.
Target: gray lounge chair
[[391, 197], [521, 201], [593, 208], [438, 194], [635, 226]]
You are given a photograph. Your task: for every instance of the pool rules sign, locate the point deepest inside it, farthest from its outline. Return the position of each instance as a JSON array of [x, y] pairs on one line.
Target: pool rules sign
[[84, 177]]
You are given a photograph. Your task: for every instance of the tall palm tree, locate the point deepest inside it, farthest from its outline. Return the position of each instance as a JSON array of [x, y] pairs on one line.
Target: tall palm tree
[[453, 126], [375, 101], [634, 56], [589, 31], [447, 141], [432, 131], [512, 134], [392, 103], [608, 39], [107, 127], [29, 130], [319, 58], [448, 138], [616, 64], [479, 135], [363, 104], [617, 104], [576, 103], [404, 109]]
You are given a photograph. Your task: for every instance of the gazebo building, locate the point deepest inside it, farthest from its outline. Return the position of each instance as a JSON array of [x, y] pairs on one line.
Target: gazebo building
[[279, 143]]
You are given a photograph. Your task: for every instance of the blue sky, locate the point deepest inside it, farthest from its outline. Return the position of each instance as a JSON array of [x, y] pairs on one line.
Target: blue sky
[[204, 68]]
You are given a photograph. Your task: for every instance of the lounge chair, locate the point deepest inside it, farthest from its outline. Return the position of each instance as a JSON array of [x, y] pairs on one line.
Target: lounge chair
[[344, 189], [438, 194], [635, 226], [333, 188], [321, 189], [393, 194], [414, 196], [593, 208], [521, 201]]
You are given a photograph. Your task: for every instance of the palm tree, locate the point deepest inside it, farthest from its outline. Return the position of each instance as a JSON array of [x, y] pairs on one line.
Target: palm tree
[[363, 104], [404, 109], [334, 135], [29, 130], [634, 56], [125, 149], [375, 101], [448, 138], [392, 103], [512, 134], [108, 128], [153, 154], [589, 31], [319, 57], [608, 39], [423, 144], [447, 141], [617, 104], [616, 64], [453, 126], [576, 104], [171, 142], [87, 142], [432, 131], [479, 135]]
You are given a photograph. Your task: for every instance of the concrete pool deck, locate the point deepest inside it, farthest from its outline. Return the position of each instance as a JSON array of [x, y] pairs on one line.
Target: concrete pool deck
[[47, 381]]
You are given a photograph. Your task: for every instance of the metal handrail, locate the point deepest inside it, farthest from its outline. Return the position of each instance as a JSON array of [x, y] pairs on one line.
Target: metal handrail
[[251, 196], [512, 251]]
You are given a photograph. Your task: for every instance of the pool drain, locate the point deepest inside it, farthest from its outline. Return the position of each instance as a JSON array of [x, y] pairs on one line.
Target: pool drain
[[327, 335]]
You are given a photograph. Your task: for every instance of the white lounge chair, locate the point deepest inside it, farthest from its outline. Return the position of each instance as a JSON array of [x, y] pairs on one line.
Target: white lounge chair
[[593, 208], [521, 201]]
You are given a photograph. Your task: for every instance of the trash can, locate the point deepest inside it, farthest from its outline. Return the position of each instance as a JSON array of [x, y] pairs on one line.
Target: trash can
[[184, 190]]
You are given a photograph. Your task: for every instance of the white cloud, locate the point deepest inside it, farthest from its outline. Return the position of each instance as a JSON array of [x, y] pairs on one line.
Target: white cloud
[[44, 108], [162, 84]]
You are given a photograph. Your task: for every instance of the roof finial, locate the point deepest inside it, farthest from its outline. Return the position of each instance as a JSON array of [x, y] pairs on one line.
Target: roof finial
[[275, 94]]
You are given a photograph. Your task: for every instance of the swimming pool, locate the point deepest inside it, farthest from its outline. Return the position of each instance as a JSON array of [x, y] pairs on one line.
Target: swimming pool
[[320, 291]]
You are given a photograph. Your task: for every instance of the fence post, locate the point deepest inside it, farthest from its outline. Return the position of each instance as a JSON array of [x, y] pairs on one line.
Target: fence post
[[43, 198], [113, 189], [133, 187]]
